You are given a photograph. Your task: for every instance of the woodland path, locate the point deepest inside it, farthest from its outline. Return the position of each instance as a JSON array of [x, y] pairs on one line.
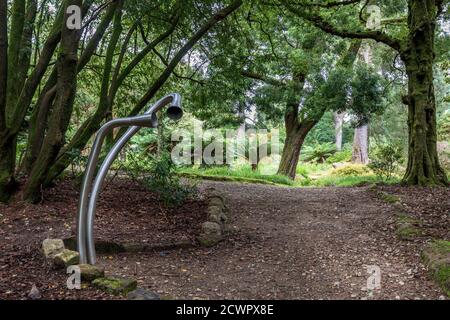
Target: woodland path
[[286, 243], [291, 243]]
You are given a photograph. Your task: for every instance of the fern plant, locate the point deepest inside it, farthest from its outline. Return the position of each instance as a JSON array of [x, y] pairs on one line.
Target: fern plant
[[319, 152]]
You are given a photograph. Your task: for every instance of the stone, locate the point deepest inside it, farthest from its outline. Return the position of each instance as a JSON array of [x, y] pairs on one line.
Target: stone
[[216, 214], [90, 272], [142, 294], [34, 293], [216, 202], [51, 247], [211, 228], [66, 258], [115, 286], [211, 234]]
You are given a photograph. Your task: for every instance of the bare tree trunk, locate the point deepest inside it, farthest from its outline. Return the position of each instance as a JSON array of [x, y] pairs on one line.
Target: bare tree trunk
[[338, 126], [361, 138], [361, 145]]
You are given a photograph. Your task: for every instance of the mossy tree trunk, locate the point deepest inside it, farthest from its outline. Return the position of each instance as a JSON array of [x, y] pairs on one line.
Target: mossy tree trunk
[[42, 109], [423, 163], [93, 123], [5, 170], [296, 133], [83, 135], [12, 54], [62, 109]]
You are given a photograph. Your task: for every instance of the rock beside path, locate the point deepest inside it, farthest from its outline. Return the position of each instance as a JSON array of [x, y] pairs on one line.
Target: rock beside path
[[66, 258], [51, 247], [211, 234], [115, 286], [89, 272]]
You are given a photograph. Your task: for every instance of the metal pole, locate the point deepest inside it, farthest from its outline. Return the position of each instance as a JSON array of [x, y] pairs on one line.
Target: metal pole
[[87, 205]]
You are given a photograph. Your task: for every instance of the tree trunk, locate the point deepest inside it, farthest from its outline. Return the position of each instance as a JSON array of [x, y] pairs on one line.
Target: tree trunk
[[83, 135], [7, 166], [423, 163], [41, 110], [338, 125], [295, 137], [62, 110], [7, 150], [360, 153], [17, 24], [361, 145], [92, 124]]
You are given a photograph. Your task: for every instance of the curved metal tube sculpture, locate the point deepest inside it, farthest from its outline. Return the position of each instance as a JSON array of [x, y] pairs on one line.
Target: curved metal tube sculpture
[[87, 204]]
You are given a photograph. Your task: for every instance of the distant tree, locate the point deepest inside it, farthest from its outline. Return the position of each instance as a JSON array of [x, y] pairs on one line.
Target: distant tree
[[413, 37]]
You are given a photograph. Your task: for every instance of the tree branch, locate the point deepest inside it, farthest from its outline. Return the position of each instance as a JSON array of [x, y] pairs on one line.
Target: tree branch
[[267, 80], [320, 23]]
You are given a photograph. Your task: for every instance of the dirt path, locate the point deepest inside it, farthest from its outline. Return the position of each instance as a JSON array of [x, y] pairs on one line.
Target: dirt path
[[290, 244]]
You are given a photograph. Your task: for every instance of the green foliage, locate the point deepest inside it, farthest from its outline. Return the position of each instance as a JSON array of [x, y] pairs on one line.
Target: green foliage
[[367, 94], [239, 174], [444, 127], [319, 152], [341, 156], [386, 160], [324, 131], [160, 177]]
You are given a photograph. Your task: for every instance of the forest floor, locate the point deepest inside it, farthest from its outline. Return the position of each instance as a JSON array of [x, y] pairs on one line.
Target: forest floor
[[286, 243]]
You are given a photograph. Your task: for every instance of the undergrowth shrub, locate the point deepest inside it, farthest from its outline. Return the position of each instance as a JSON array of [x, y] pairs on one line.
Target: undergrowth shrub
[[158, 174], [340, 156], [386, 159], [352, 170], [318, 153]]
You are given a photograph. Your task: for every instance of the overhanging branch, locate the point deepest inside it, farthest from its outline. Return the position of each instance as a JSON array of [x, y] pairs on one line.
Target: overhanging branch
[[324, 25]]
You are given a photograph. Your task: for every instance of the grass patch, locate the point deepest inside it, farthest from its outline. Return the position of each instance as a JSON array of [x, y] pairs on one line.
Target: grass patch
[[403, 219], [241, 174], [389, 198], [437, 257], [441, 246], [335, 181], [408, 232], [308, 175], [408, 227], [442, 276]]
